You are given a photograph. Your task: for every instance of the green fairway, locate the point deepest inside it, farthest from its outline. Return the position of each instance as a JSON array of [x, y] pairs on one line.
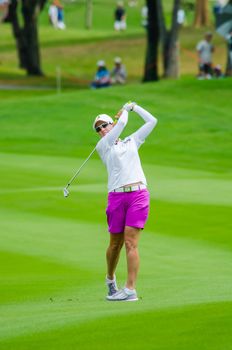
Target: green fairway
[[52, 259]]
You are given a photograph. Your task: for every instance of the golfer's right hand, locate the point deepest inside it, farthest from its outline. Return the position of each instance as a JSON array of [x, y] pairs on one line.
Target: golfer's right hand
[[129, 106]]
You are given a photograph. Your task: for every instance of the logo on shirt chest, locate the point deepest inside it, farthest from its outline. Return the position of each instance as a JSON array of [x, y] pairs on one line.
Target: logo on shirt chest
[[122, 141]]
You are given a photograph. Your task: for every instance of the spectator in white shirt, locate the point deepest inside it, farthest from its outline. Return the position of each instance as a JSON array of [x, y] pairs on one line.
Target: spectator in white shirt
[[205, 49], [118, 73]]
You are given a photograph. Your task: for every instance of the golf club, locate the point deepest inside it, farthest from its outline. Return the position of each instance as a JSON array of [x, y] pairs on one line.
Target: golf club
[[66, 191]]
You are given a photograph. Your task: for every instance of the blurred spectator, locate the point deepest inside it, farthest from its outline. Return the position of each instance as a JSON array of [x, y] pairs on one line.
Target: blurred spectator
[[120, 17], [205, 49], [118, 74], [56, 14], [102, 76], [217, 7], [144, 16], [217, 71], [4, 6], [53, 15], [60, 16], [181, 17]]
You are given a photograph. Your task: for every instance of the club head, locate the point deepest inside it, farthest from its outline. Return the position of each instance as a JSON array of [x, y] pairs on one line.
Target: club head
[[66, 192]]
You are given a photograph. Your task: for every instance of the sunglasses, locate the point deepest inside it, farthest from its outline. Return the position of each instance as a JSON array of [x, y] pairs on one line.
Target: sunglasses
[[102, 126]]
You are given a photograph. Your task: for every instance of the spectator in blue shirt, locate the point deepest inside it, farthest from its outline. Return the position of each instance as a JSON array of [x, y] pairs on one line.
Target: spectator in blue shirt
[[102, 77]]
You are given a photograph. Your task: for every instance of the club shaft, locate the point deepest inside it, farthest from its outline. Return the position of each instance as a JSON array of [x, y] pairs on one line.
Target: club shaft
[[78, 171]]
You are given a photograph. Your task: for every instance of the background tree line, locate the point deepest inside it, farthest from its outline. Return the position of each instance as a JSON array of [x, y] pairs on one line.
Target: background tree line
[[23, 16]]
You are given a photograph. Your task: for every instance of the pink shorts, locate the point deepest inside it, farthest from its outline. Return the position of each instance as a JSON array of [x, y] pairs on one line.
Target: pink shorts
[[127, 209]]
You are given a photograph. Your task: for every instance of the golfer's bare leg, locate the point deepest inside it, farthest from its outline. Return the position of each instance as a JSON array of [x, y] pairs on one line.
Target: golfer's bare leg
[[113, 253], [131, 238]]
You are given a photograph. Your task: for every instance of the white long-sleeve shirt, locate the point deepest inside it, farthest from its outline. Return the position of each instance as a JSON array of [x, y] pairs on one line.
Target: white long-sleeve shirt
[[121, 156]]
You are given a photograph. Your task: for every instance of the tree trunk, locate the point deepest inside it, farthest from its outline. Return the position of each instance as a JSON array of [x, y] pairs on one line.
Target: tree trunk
[[171, 58], [89, 14], [151, 62], [201, 14], [30, 33], [229, 58], [170, 43], [17, 32], [26, 36]]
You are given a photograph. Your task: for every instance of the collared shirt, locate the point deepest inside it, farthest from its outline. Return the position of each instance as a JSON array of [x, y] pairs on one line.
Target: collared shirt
[[121, 156]]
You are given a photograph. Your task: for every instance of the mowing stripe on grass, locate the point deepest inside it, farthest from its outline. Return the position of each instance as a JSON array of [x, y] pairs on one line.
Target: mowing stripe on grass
[[182, 272], [213, 192]]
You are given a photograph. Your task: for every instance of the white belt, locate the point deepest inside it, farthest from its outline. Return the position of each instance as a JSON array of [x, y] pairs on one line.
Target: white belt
[[130, 188]]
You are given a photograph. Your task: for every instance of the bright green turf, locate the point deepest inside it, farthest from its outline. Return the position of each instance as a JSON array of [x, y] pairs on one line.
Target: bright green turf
[[52, 249]]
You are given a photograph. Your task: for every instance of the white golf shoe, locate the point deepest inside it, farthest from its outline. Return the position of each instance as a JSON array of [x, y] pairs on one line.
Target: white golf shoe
[[124, 294], [112, 286]]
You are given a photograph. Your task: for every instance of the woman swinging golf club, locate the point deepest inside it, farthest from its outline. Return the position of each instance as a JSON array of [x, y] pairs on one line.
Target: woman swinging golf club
[[128, 197]]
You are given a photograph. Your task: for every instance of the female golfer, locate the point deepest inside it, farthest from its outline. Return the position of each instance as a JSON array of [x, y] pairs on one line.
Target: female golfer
[[128, 197]]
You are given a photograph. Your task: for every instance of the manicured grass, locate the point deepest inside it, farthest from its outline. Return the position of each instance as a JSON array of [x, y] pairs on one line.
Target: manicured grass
[[52, 259], [193, 120]]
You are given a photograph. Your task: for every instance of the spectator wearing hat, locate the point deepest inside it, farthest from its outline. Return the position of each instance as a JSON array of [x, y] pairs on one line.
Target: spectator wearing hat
[[118, 73], [102, 76]]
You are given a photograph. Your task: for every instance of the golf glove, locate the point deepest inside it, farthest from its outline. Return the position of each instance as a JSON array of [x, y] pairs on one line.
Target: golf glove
[[129, 106]]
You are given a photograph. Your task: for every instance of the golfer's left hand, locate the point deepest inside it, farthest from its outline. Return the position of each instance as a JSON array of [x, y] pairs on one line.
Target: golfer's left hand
[[129, 106]]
